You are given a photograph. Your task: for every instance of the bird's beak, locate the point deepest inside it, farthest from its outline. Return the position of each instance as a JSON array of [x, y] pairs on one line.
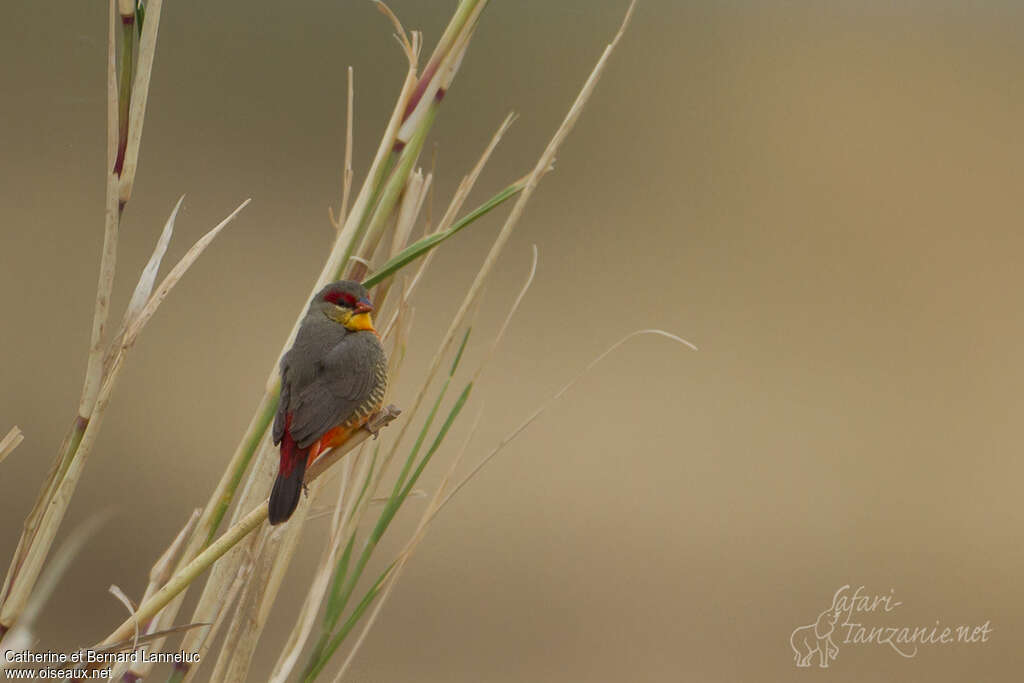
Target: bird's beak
[[360, 318]]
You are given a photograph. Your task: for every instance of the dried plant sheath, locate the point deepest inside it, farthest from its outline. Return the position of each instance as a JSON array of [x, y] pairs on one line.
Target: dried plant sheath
[[376, 229]]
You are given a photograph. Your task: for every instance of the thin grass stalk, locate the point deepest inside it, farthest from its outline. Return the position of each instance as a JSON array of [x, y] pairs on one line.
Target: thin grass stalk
[[108, 258], [390, 576], [140, 96], [418, 117], [234, 636], [428, 243], [126, 10], [20, 635], [332, 269], [321, 581], [347, 173], [543, 163], [225, 490], [61, 498], [183, 577], [41, 523], [442, 497], [223, 494], [93, 373], [11, 441], [223, 572], [348, 501], [181, 672], [466, 13], [322, 655], [406, 218], [344, 582], [355, 222], [340, 590], [389, 197], [412, 201], [254, 607], [272, 560], [158, 575]]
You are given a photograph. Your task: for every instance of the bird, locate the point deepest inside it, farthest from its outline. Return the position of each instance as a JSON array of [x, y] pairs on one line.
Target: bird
[[333, 379]]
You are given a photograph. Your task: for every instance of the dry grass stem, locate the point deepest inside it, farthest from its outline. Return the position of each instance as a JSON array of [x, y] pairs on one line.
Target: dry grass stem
[[21, 633], [147, 279], [158, 576], [321, 581], [108, 257], [407, 551], [373, 232], [130, 606], [53, 514], [140, 95], [543, 164], [10, 442], [239, 530], [227, 599], [179, 270], [551, 399], [347, 173]]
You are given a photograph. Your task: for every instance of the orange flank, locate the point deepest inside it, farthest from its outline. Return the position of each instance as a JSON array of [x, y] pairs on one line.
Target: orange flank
[[331, 439]]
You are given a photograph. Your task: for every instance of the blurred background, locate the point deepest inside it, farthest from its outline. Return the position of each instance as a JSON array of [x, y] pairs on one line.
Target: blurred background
[[824, 197]]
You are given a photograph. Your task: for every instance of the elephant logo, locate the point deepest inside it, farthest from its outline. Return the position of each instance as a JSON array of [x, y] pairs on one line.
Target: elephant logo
[[816, 637]]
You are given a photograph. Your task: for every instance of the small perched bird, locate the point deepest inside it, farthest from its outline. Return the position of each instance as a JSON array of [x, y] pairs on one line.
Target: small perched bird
[[333, 380]]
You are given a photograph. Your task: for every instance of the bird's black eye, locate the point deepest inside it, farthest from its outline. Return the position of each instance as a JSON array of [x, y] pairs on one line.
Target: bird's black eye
[[341, 299]]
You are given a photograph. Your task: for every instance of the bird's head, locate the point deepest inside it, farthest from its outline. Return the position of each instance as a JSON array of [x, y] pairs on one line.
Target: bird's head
[[347, 303]]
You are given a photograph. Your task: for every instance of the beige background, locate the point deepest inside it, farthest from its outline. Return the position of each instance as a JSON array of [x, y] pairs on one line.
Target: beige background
[[824, 199]]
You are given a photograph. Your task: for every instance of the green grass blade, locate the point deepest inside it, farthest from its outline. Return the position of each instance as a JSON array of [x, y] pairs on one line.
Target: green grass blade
[[344, 583], [334, 608], [352, 620], [421, 437], [364, 220], [323, 654], [458, 354], [454, 413], [422, 246]]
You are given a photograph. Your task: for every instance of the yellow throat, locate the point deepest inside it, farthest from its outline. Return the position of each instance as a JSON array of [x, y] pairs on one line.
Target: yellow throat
[[359, 321], [354, 322]]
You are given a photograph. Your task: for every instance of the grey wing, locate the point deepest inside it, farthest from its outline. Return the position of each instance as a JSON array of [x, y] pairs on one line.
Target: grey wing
[[283, 400], [346, 382], [282, 405]]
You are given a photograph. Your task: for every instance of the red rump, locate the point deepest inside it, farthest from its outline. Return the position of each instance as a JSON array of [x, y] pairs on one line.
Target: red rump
[[284, 496], [290, 451]]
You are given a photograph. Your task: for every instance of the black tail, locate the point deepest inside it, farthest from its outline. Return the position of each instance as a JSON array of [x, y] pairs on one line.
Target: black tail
[[285, 496]]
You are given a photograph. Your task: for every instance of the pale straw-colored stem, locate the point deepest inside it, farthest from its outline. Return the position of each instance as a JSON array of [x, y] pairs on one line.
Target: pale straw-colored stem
[[186, 672], [108, 258], [10, 442], [256, 516], [158, 576], [61, 497], [272, 560], [300, 633], [140, 95]]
